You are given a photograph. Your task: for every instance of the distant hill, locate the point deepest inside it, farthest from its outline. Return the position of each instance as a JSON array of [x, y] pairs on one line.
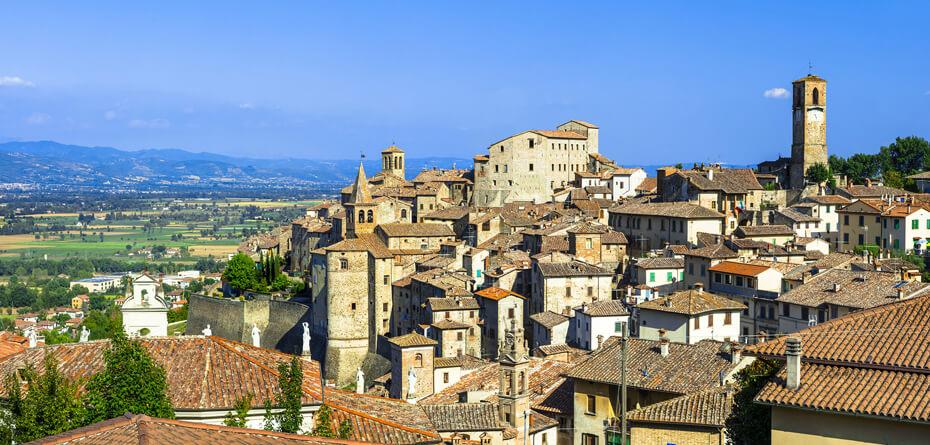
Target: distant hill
[[48, 162]]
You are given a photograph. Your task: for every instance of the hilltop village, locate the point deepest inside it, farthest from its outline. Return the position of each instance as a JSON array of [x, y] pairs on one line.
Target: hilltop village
[[551, 295]]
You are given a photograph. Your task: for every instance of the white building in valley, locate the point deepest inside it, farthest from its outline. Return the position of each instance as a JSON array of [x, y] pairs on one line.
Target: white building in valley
[[145, 311]]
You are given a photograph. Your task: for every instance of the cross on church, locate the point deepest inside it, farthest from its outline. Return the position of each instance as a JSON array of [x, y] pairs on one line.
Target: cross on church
[[810, 68]]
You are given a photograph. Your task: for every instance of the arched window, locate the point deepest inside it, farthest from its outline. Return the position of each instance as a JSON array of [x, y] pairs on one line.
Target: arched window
[[371, 216], [816, 96], [418, 360], [522, 383], [403, 214], [343, 263], [361, 216]]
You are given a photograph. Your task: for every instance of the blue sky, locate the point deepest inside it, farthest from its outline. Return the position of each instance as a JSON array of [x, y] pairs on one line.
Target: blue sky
[[684, 81]]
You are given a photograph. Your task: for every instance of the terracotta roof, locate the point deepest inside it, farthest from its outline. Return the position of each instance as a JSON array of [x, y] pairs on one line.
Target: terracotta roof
[[416, 229], [204, 373], [549, 319], [608, 308], [359, 192], [767, 230], [450, 324], [544, 377], [557, 134], [449, 213], [738, 268], [496, 293], [717, 251], [589, 227], [856, 289], [709, 407], [452, 304], [871, 362], [365, 242], [553, 244], [828, 199], [687, 368], [671, 209], [660, 263], [582, 123], [728, 180], [380, 419], [412, 339], [648, 185], [874, 191], [691, 302], [464, 417], [138, 429], [392, 149], [572, 268], [614, 237]]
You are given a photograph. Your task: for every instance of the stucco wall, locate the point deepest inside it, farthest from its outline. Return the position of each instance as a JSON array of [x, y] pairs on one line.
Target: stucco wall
[[790, 426]]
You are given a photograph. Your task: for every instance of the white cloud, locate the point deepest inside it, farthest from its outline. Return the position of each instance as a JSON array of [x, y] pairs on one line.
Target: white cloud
[[109, 115], [246, 106], [14, 81], [775, 93], [37, 118], [149, 123]]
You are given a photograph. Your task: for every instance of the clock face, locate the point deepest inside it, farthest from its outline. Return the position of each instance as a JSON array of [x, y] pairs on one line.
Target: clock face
[[815, 115]]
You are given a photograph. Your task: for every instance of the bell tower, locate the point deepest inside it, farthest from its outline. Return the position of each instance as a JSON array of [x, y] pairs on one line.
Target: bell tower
[[392, 161], [514, 395], [361, 210], [809, 127]]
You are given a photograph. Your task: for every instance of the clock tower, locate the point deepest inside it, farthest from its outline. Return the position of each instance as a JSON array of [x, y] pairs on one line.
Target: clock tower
[[809, 127]]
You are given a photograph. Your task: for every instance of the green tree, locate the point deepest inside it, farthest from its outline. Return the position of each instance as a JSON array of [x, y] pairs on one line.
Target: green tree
[[323, 426], [289, 395], [906, 155], [242, 407], [240, 272], [893, 178], [818, 173], [50, 404], [750, 423], [131, 382]]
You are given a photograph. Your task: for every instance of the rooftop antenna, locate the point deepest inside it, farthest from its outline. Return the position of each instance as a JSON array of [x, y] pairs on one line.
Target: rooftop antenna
[[810, 67]]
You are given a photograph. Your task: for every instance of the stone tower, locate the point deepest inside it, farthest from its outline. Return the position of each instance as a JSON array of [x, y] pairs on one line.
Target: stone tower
[[392, 161], [514, 378], [361, 210], [809, 127]]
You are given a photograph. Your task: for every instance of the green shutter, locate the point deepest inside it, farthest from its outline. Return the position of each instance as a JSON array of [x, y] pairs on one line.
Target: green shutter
[[652, 277]]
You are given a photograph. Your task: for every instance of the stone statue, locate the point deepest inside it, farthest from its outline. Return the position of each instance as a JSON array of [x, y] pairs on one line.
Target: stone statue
[[360, 381], [85, 334], [33, 339], [411, 383], [207, 331], [306, 345], [256, 337]]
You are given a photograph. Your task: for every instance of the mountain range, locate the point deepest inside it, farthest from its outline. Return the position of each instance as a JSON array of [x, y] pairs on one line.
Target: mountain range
[[53, 163]]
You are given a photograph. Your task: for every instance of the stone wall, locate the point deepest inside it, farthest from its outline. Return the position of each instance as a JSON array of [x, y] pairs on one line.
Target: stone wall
[[278, 321]]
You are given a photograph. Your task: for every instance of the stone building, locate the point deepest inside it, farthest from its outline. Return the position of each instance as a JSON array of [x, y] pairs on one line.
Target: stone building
[[532, 165], [499, 309], [562, 282], [654, 225]]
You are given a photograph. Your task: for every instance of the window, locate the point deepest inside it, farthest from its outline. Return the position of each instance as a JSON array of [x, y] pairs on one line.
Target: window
[[568, 292], [590, 291], [804, 313], [618, 327], [588, 439], [846, 219], [459, 336], [387, 279], [815, 96], [716, 277], [531, 167], [445, 377], [861, 239], [690, 268], [785, 309], [727, 319], [697, 322], [510, 313], [669, 276], [352, 306], [384, 307], [703, 269], [531, 142], [371, 216], [592, 405], [739, 281], [897, 223], [915, 224], [896, 244], [361, 216], [710, 320], [343, 263], [418, 360], [588, 243], [403, 214]]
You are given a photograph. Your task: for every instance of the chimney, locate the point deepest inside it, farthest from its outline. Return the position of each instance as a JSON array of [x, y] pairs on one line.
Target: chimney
[[836, 287], [736, 352], [699, 287], [710, 174], [763, 335], [600, 339], [900, 293], [793, 356], [663, 343]]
